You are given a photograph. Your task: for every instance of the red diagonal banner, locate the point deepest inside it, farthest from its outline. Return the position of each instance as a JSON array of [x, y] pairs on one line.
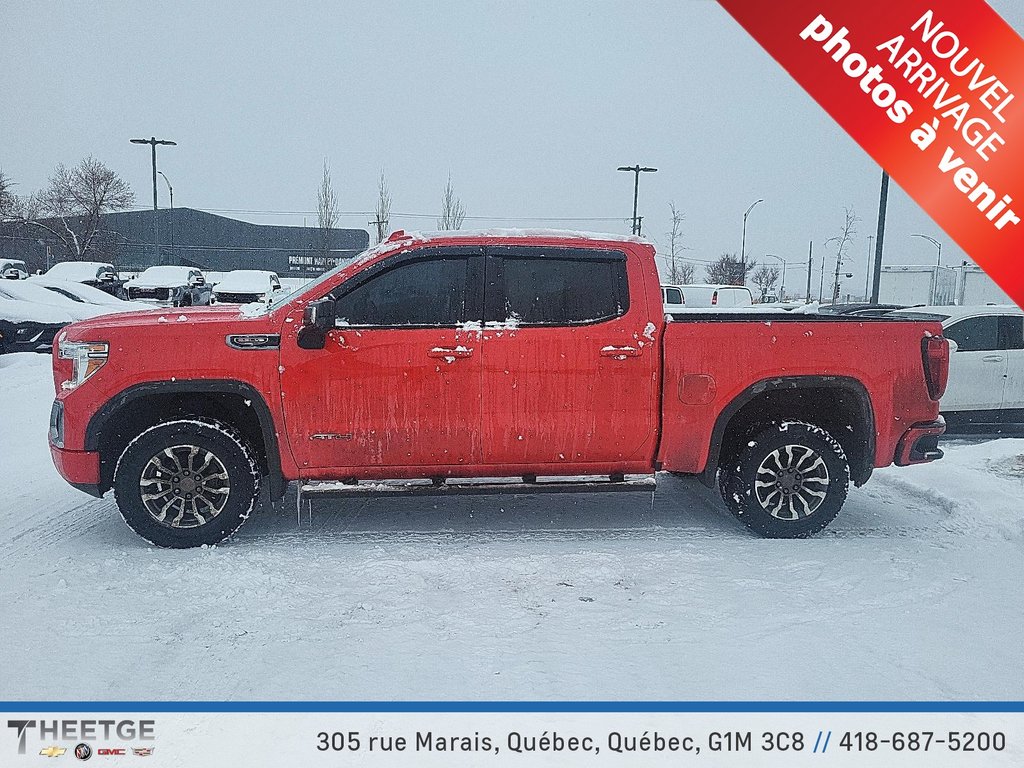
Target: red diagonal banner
[[933, 91]]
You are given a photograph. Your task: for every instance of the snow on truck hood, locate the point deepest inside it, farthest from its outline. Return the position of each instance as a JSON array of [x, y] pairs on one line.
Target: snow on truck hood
[[162, 277], [194, 316], [244, 281]]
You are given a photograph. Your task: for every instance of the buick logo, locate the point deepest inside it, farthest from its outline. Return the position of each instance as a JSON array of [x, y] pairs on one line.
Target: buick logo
[[83, 751]]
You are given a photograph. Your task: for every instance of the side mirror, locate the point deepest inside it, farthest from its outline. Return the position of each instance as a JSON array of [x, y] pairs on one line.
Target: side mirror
[[953, 346], [317, 320]]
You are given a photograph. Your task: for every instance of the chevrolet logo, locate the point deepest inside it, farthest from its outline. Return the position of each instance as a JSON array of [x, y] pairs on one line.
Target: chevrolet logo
[[52, 751]]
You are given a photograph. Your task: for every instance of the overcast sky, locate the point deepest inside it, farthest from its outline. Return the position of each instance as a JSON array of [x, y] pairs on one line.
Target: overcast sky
[[529, 105]]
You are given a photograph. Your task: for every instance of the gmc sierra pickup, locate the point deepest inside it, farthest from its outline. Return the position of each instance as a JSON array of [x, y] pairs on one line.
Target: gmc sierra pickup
[[501, 354]]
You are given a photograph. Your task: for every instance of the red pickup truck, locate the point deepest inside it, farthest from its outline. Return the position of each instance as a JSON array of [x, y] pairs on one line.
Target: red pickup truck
[[501, 354]]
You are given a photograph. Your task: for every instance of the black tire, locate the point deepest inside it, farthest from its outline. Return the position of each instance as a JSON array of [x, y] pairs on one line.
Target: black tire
[[788, 482], [221, 490]]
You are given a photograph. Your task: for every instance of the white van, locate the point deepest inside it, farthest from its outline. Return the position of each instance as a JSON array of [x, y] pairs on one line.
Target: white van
[[705, 296]]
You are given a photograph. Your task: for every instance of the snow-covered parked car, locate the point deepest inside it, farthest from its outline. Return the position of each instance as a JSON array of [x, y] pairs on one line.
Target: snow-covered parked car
[[986, 366], [98, 274], [86, 294], [28, 326], [13, 269], [36, 293], [170, 286], [245, 286]]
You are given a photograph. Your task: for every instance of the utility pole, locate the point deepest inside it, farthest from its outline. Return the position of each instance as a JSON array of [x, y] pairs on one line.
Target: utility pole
[[636, 170], [810, 269], [821, 282], [153, 141], [170, 191], [867, 271], [883, 199], [743, 243], [380, 224]]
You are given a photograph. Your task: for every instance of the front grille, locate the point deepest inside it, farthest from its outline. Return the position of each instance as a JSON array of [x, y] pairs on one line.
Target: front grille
[[161, 294], [237, 298]]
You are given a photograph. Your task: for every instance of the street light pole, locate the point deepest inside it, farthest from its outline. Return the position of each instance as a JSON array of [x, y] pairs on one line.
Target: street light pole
[[936, 243], [153, 141], [743, 243], [170, 191], [636, 170]]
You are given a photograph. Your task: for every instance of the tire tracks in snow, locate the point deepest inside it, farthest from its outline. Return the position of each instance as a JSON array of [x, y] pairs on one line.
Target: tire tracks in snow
[[53, 526]]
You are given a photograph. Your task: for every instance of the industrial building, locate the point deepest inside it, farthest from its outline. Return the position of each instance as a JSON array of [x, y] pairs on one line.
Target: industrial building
[[192, 238]]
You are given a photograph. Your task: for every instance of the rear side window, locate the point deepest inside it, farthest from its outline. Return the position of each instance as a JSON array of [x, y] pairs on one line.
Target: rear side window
[[1011, 332], [548, 290], [421, 293], [975, 334], [673, 296]]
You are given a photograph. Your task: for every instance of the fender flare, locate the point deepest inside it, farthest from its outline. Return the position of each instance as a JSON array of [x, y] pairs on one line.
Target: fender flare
[[848, 384], [99, 420]]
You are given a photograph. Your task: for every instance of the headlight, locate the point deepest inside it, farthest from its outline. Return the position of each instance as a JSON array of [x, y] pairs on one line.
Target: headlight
[[87, 357]]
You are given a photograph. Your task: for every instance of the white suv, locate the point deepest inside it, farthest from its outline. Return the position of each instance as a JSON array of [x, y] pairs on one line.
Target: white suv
[[986, 366]]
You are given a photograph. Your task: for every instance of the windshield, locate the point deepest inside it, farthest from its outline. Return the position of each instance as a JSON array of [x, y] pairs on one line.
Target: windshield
[[284, 296]]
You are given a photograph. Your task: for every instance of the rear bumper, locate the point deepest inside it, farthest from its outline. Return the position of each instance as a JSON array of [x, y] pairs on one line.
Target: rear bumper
[[80, 468], [920, 443]]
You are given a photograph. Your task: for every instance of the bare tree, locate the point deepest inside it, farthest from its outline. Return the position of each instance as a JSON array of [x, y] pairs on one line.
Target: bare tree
[[7, 200], [382, 213], [452, 211], [327, 213], [729, 270], [842, 242], [765, 278], [678, 272], [71, 206]]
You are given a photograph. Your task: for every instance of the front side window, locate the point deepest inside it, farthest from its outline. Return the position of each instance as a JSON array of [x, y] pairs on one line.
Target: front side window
[[1011, 332], [553, 291], [673, 296], [975, 334], [430, 292]]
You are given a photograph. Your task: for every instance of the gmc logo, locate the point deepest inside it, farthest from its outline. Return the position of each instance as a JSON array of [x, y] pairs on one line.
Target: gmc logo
[[111, 752]]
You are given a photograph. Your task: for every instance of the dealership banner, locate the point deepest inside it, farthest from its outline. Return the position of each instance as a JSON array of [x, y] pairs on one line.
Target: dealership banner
[[933, 91], [429, 734]]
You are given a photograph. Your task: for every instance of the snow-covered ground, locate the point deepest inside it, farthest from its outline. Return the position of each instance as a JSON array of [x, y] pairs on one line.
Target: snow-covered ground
[[914, 592]]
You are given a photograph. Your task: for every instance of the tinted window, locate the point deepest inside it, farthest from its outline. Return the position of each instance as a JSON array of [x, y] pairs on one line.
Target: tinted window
[[430, 292], [975, 334], [1011, 332], [673, 296], [553, 291]]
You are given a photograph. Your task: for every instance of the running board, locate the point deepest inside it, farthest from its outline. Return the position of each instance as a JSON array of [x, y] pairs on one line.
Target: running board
[[529, 485]]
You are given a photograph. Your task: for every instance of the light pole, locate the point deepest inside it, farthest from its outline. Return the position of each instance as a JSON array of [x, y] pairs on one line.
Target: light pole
[[743, 243], [153, 141], [636, 170], [782, 285], [937, 244], [170, 191]]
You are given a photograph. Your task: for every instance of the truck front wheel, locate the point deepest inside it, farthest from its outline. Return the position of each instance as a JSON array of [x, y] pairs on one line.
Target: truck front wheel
[[186, 483], [788, 481]]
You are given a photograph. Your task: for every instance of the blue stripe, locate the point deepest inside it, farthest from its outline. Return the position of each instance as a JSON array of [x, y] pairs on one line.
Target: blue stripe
[[511, 706]]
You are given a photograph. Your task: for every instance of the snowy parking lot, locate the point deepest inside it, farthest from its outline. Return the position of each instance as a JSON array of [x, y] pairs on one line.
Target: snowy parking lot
[[913, 593]]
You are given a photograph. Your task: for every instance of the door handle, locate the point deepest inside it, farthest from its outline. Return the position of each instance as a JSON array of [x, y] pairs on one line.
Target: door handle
[[620, 352], [445, 352], [992, 359]]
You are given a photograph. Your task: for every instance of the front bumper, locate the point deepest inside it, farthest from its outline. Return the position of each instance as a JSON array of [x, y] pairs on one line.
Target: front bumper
[[920, 443], [80, 468]]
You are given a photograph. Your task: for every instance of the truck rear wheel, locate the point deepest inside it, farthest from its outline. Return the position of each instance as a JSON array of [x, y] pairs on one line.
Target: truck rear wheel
[[789, 481], [186, 483]]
